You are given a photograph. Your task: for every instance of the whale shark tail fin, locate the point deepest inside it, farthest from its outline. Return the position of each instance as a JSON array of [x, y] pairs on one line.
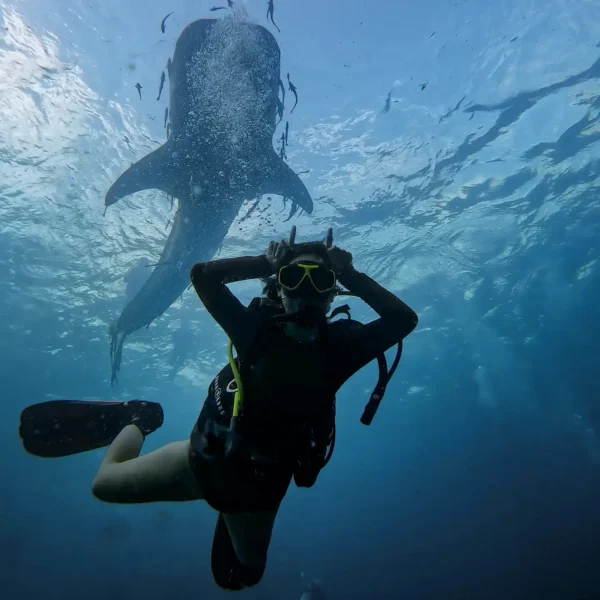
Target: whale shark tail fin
[[151, 172], [117, 339], [280, 179]]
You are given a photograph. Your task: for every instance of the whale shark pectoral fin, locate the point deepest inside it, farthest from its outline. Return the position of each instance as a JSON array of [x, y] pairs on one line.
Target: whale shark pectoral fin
[[151, 172], [281, 179]]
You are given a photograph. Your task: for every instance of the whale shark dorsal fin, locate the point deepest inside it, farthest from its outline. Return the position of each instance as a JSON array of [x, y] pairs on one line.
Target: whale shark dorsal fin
[[280, 179], [151, 172]]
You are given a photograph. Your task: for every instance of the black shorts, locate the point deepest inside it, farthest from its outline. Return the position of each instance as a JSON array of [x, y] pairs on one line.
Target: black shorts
[[252, 479], [241, 482]]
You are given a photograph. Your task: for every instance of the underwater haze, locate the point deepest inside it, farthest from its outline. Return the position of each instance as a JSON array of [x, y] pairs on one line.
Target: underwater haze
[[454, 147]]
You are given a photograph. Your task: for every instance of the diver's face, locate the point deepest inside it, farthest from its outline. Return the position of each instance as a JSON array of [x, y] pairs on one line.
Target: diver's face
[[305, 295]]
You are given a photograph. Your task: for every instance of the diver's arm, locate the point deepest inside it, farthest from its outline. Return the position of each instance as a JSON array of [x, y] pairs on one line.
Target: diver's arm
[[210, 279], [396, 320], [125, 477]]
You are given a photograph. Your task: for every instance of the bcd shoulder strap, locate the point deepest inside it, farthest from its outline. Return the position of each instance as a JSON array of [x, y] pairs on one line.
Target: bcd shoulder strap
[[384, 374], [379, 391]]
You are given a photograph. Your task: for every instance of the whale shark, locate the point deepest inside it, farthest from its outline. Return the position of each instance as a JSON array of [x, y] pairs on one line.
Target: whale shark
[[136, 277], [224, 80]]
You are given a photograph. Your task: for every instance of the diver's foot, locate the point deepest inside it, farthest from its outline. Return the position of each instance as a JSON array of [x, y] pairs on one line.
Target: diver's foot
[[228, 571], [147, 416]]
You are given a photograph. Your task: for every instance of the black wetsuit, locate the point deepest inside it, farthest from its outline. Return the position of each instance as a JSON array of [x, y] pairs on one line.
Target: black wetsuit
[[289, 386]]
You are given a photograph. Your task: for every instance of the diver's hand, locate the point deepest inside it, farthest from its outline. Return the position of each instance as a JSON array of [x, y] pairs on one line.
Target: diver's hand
[[276, 254], [340, 260]]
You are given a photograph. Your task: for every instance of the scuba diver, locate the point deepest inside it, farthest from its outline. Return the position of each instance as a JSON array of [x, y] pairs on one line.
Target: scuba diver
[[270, 412], [313, 592]]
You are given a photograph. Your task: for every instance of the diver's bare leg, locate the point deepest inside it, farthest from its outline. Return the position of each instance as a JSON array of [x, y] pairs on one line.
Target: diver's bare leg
[[251, 535], [165, 475], [126, 446]]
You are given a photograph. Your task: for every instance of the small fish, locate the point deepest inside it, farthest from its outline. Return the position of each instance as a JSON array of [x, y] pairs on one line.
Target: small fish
[[138, 87], [423, 85], [294, 91], [282, 147], [215, 8], [282, 88], [270, 10], [162, 83], [388, 103], [164, 21], [166, 116], [287, 131]]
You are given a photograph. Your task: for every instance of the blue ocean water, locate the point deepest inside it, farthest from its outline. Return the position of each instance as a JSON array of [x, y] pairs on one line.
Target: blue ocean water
[[474, 198]]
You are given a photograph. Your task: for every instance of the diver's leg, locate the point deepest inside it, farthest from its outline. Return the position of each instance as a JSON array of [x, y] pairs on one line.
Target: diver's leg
[[125, 477], [251, 535], [239, 550]]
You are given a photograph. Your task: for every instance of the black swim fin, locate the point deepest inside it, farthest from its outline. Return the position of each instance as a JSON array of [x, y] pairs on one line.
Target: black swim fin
[[228, 571], [63, 427]]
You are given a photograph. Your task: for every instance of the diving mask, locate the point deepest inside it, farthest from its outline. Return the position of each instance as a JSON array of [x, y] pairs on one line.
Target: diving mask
[[291, 277]]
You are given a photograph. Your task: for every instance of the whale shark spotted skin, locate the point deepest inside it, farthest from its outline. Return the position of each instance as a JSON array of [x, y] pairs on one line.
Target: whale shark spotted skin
[[223, 84]]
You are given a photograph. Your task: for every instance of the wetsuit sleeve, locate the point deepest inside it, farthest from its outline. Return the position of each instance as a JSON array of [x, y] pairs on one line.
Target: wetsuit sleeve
[[209, 280], [396, 321]]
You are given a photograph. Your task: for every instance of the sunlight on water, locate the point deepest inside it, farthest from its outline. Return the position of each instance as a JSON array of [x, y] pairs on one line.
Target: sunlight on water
[[454, 148]]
